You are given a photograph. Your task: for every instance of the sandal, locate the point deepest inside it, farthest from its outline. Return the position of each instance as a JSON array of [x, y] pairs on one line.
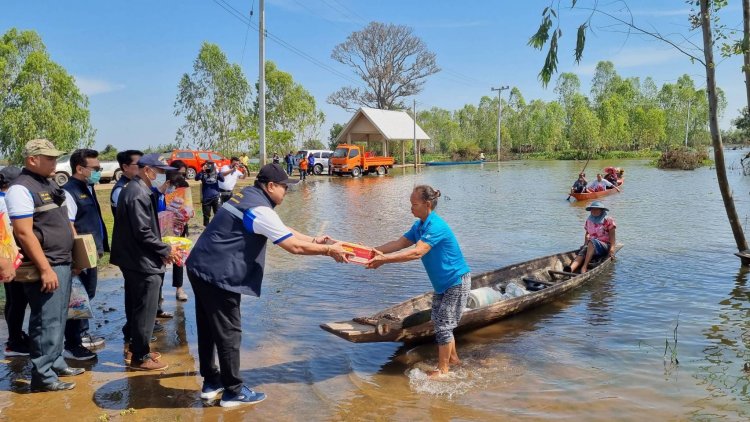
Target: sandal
[[181, 295], [164, 314]]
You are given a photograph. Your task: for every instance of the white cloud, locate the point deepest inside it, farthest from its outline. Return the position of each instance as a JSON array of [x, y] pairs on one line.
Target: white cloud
[[91, 86], [633, 58]]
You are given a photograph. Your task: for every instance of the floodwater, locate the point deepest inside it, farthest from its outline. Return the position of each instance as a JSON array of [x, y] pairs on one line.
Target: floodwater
[[595, 354]]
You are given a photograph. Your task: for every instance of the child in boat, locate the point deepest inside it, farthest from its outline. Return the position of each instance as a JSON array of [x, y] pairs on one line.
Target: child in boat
[[599, 237], [441, 255]]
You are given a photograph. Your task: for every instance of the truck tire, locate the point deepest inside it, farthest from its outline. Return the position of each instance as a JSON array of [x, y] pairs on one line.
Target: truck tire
[[190, 174], [61, 178], [356, 172], [380, 170], [318, 169]]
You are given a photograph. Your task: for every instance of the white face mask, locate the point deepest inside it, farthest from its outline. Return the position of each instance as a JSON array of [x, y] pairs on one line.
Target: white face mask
[[160, 179]]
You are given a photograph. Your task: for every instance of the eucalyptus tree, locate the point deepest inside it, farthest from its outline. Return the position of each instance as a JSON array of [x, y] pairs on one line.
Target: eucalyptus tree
[[214, 102], [38, 98]]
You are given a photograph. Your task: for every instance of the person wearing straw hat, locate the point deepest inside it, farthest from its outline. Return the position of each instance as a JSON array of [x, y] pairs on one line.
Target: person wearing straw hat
[[599, 237]]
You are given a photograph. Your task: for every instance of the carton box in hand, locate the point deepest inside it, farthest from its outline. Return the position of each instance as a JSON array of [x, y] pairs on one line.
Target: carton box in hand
[[84, 252], [362, 254]]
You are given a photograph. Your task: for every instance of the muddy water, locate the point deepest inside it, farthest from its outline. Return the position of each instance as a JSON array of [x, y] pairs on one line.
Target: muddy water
[[595, 354]]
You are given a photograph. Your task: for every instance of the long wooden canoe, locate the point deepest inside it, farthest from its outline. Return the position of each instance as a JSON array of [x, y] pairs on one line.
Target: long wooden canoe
[[451, 163], [410, 322], [593, 195]]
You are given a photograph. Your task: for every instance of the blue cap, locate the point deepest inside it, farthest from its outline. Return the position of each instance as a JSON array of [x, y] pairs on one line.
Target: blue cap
[[152, 160], [596, 204]]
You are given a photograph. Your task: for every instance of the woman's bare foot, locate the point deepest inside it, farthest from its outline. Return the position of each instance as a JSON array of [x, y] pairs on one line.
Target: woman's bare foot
[[454, 362], [436, 373], [583, 270]]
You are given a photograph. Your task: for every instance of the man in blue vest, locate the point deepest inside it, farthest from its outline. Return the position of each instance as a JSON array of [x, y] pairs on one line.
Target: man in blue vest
[[226, 262], [86, 215], [36, 207]]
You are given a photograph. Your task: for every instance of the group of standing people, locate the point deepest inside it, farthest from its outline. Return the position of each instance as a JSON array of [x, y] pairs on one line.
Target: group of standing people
[[305, 164]]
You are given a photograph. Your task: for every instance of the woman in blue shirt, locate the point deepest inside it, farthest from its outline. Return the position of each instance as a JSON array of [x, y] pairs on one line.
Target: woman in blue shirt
[[441, 256]]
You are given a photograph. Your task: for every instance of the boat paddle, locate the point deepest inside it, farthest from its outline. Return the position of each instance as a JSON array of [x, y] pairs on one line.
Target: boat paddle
[[582, 170]]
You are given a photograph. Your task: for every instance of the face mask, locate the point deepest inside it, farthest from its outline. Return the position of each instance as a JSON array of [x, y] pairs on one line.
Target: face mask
[[94, 177], [160, 179]]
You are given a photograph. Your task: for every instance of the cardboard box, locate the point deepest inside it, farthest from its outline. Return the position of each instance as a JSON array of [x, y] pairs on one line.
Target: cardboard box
[[84, 252], [362, 254], [27, 272]]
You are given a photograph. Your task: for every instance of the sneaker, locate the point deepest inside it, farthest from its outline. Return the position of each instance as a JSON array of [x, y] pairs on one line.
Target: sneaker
[[79, 353], [12, 350], [158, 327], [149, 363], [129, 356], [210, 390], [89, 341], [246, 396]]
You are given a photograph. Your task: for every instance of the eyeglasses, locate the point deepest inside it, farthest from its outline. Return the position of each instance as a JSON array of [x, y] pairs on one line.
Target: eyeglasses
[[283, 185], [94, 168]]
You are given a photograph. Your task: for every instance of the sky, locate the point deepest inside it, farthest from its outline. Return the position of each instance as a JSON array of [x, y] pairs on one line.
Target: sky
[[128, 56]]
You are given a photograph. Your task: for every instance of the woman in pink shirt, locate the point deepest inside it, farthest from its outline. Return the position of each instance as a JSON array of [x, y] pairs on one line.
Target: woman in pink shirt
[[599, 237]]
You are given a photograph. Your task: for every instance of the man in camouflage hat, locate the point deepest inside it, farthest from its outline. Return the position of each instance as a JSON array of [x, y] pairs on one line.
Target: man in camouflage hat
[[37, 210]]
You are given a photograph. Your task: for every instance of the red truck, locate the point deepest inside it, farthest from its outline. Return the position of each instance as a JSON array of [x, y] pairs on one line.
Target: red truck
[[194, 160], [351, 159]]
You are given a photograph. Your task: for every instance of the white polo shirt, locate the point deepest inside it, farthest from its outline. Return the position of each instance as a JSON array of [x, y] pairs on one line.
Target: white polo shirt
[[230, 180]]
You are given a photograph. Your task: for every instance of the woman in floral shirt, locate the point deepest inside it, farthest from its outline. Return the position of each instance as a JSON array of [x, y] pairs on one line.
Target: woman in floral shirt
[[599, 237]]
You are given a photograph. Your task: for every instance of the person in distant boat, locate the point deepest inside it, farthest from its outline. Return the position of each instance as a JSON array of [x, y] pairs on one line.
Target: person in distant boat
[[611, 176], [441, 256], [600, 184], [598, 239], [481, 156], [579, 186]]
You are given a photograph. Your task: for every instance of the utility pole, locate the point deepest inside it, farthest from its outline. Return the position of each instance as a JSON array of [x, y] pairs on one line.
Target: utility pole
[[262, 83], [415, 134], [687, 122], [499, 115]]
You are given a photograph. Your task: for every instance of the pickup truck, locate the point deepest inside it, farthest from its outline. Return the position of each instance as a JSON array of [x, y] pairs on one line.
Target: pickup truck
[[110, 170], [351, 159]]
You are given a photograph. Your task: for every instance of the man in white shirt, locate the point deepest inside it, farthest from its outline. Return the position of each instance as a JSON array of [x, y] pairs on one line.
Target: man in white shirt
[[600, 184], [231, 173]]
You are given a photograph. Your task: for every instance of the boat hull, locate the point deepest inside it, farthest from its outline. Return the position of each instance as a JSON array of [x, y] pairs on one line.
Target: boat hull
[[413, 322], [593, 195], [451, 163]]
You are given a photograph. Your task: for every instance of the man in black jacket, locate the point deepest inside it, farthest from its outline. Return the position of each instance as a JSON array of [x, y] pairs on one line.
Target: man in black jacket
[[86, 215], [138, 250]]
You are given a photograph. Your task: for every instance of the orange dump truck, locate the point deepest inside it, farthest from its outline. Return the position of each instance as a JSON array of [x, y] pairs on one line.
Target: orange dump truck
[[351, 159]]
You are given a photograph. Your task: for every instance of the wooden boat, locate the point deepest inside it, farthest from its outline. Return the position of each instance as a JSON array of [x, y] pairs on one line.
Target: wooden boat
[[593, 195], [451, 163], [410, 322]]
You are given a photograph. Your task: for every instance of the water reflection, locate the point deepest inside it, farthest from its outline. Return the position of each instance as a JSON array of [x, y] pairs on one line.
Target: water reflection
[[724, 375]]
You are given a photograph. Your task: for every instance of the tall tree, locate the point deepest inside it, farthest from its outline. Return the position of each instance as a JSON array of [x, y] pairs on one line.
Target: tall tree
[[214, 102], [38, 98], [289, 106], [333, 134], [706, 14], [392, 62]]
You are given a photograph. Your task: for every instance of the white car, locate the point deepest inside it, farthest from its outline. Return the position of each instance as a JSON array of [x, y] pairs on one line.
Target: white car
[[321, 158], [110, 170]]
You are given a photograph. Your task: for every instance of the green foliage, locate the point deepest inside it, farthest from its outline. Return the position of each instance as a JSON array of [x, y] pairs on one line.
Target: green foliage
[[38, 98], [214, 102], [333, 134], [289, 106], [109, 153], [279, 141], [161, 148], [313, 144]]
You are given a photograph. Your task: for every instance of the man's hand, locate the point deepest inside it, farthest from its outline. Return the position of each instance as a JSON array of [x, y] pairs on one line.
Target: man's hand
[[49, 281], [337, 252]]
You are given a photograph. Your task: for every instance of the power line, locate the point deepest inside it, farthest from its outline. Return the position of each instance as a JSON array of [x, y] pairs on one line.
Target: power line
[[247, 31], [239, 16]]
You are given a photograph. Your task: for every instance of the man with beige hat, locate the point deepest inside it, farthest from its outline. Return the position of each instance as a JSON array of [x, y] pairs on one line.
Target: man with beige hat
[[36, 207]]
